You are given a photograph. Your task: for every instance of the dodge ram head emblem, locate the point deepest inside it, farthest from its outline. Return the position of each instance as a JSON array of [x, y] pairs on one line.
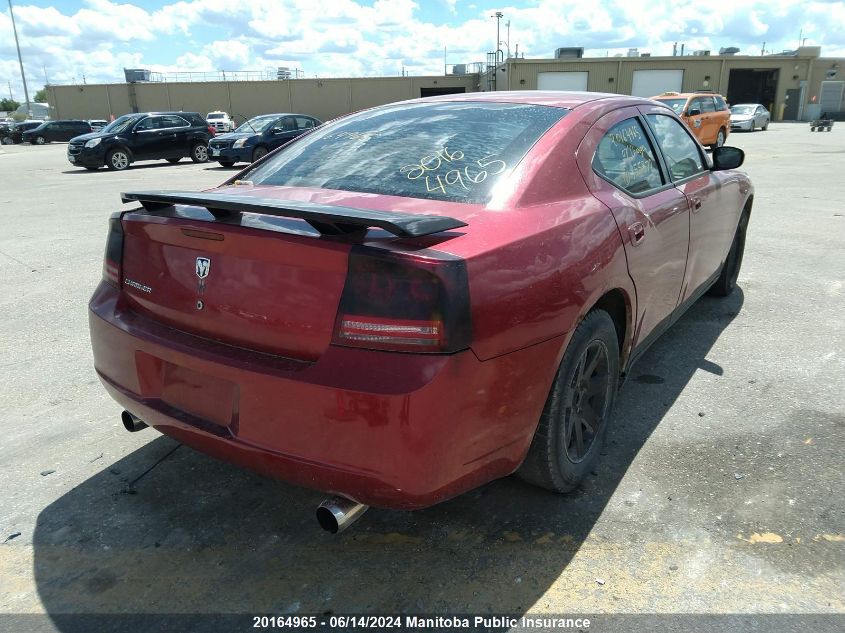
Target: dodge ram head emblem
[[203, 266]]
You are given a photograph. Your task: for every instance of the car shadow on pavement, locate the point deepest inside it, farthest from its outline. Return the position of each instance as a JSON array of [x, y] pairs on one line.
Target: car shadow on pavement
[[169, 530]]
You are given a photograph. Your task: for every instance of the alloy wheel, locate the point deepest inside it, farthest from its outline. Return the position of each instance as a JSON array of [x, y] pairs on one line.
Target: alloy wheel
[[586, 401]]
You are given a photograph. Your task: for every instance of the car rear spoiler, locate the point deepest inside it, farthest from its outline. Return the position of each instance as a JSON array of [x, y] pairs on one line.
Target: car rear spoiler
[[327, 219]]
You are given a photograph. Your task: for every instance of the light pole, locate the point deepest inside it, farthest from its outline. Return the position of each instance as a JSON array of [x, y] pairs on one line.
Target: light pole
[[498, 15], [20, 61]]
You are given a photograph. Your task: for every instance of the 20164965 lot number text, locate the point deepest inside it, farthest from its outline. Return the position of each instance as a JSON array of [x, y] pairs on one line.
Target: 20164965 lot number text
[[334, 621]]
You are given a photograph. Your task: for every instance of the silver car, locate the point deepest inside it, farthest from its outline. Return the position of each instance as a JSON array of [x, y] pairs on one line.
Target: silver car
[[747, 116]]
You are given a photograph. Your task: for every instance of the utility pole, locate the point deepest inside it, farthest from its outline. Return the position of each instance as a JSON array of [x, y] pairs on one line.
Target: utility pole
[[444, 62], [498, 15], [20, 61]]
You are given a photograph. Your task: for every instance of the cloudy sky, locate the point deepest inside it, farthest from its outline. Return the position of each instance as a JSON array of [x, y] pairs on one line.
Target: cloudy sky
[[65, 40]]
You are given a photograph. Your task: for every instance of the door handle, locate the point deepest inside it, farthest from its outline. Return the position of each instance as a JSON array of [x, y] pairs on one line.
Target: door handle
[[637, 232], [696, 204]]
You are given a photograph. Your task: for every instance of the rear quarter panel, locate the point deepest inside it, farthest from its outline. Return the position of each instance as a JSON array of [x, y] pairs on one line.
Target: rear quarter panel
[[542, 252]]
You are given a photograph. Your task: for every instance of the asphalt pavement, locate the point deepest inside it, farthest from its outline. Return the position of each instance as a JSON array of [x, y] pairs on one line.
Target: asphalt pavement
[[722, 489]]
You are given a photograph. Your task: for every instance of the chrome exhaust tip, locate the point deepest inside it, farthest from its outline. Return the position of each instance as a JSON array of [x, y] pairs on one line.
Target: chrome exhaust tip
[[132, 423], [336, 514]]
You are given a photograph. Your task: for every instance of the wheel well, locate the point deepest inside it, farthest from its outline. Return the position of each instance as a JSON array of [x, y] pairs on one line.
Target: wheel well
[[614, 303]]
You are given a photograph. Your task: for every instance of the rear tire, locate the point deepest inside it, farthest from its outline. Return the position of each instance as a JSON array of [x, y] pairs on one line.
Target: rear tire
[[720, 139], [259, 152], [40, 140], [765, 126], [92, 168], [726, 283], [199, 153], [573, 425], [173, 161], [7, 140]]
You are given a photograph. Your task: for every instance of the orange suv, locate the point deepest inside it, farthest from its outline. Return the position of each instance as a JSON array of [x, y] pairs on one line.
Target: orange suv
[[705, 113]]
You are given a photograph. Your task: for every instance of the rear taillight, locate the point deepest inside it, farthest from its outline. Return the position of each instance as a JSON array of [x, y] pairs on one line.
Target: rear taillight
[[113, 259], [399, 302], [212, 130]]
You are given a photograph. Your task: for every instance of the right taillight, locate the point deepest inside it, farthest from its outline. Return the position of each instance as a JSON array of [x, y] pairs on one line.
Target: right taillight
[[400, 302], [113, 259]]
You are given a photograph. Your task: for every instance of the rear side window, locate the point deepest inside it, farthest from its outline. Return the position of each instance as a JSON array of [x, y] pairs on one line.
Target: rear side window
[[441, 151], [679, 149], [171, 120], [721, 106], [625, 158]]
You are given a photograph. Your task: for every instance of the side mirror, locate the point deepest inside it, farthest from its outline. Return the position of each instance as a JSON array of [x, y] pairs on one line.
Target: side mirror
[[693, 112], [727, 158]]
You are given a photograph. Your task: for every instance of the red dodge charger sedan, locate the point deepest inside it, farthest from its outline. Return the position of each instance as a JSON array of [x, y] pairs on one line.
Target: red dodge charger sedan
[[413, 300]]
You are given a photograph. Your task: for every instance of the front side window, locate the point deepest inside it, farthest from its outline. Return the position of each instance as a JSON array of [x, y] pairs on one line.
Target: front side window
[[683, 158], [454, 151], [150, 123], [625, 158]]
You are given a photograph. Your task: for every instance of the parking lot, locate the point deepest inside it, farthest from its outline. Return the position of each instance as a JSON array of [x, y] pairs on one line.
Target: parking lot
[[722, 490]]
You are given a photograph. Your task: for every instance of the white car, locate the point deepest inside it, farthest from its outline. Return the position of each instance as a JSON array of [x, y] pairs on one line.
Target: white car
[[747, 116], [220, 121]]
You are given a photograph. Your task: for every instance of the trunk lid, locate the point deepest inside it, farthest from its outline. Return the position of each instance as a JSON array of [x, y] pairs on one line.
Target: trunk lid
[[269, 280]]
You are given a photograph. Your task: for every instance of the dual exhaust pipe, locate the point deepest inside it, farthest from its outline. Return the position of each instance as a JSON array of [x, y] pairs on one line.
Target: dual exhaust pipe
[[334, 515]]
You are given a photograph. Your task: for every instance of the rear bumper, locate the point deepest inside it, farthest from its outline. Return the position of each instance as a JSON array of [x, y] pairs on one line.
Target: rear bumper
[[386, 429]]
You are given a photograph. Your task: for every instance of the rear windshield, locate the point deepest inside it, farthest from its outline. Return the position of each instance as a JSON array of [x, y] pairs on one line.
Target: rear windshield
[[676, 104], [439, 151]]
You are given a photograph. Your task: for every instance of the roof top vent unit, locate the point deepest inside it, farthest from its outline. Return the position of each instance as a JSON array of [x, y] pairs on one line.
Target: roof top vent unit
[[459, 69], [567, 52], [633, 52], [730, 50], [645, 54], [283, 72], [136, 74], [702, 53]]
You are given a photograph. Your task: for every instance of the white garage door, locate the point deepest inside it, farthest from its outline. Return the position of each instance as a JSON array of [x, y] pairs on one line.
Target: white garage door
[[562, 81], [650, 83]]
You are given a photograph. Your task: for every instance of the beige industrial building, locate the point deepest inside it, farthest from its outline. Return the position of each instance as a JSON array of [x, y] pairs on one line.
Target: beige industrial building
[[794, 86]]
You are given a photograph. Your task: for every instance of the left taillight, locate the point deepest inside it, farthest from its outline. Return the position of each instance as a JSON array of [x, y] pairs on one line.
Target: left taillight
[[212, 130], [404, 302], [113, 259]]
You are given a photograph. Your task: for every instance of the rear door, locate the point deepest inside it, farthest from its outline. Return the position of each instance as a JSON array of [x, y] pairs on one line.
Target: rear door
[[711, 218], [620, 164], [175, 141]]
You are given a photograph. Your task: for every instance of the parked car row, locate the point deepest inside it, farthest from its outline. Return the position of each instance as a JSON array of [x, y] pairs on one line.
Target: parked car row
[[172, 136]]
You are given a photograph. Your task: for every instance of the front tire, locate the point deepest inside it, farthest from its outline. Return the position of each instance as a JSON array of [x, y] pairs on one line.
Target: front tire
[[226, 163], [173, 161], [765, 126], [726, 283], [573, 425], [117, 160], [199, 153], [258, 152], [7, 140]]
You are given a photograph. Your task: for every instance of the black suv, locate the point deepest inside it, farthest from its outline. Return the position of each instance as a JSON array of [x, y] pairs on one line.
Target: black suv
[[63, 130], [14, 133], [143, 136]]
